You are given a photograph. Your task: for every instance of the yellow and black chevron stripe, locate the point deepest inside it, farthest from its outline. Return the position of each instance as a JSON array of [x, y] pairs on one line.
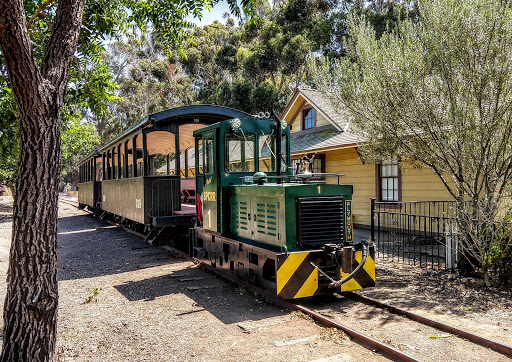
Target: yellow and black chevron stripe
[[296, 277], [364, 278]]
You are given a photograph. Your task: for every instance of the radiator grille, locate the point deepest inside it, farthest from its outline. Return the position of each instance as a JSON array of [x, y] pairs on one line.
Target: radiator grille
[[320, 220]]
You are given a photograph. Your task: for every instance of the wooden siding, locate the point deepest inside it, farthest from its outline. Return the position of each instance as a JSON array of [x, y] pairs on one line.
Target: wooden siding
[[362, 177], [417, 185], [321, 120], [422, 185], [296, 122]]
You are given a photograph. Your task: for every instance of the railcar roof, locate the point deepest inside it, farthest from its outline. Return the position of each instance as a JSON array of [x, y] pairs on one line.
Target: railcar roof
[[184, 120]]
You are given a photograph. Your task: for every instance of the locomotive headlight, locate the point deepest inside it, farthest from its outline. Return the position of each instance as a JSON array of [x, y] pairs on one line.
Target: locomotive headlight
[[283, 124], [236, 123]]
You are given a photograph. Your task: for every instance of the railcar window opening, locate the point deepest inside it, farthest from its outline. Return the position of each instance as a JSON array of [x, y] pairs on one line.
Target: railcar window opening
[[239, 152], [158, 160], [109, 165], [98, 172], [120, 161], [200, 157], [113, 153]]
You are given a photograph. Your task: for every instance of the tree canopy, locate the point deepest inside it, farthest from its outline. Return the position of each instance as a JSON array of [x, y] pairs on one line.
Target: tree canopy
[[437, 92]]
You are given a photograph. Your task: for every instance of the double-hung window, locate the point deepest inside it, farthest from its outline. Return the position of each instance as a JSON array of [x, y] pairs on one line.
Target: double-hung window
[[388, 181]]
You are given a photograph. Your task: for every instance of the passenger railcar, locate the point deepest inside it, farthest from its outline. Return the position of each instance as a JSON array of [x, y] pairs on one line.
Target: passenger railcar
[[289, 234]]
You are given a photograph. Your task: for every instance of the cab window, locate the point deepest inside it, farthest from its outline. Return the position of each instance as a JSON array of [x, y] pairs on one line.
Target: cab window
[[208, 153], [267, 152], [239, 153]]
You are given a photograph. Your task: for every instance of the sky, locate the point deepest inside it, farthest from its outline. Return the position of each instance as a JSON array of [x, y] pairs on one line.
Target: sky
[[214, 14]]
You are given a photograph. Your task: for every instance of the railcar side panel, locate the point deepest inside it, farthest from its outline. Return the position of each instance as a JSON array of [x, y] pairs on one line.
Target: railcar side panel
[[140, 198], [86, 193], [125, 198]]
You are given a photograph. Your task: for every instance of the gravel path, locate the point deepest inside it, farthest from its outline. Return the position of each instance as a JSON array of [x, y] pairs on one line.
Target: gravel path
[[121, 300]]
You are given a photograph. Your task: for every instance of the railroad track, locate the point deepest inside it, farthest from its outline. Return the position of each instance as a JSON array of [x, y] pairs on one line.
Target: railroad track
[[69, 202], [363, 339]]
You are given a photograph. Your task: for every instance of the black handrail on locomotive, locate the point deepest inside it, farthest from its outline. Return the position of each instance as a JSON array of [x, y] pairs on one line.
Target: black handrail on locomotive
[[294, 178]]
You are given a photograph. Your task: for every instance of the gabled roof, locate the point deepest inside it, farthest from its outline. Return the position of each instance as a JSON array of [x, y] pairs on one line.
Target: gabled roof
[[321, 102]]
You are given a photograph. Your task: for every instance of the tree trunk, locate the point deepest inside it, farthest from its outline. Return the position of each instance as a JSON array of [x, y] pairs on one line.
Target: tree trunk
[[30, 309]]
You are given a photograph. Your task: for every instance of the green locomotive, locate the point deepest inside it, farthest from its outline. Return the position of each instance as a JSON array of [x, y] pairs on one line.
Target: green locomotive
[[289, 234]]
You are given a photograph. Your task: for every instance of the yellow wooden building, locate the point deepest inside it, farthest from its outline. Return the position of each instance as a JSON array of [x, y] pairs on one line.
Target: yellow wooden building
[[318, 128]]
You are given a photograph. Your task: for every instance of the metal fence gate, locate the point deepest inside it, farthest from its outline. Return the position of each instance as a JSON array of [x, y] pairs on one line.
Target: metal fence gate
[[421, 232]]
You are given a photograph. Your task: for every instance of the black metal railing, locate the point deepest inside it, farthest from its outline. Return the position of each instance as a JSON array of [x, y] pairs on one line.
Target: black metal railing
[[420, 232]]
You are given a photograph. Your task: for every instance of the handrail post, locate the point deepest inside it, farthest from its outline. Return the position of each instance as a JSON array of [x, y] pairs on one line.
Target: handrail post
[[372, 220]]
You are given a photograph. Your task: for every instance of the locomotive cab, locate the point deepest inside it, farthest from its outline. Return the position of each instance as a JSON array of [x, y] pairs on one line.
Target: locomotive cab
[[290, 234]]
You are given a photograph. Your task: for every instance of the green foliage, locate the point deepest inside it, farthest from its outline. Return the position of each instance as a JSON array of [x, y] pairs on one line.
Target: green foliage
[[272, 48], [93, 296], [497, 256], [265, 98], [147, 80], [437, 92], [95, 91], [78, 139], [499, 261], [226, 57], [9, 144]]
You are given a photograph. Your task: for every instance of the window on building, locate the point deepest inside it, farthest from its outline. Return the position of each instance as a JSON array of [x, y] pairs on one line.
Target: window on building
[[389, 182], [308, 118]]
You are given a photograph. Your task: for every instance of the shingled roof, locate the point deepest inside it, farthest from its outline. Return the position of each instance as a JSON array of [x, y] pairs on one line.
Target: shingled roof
[[322, 140]]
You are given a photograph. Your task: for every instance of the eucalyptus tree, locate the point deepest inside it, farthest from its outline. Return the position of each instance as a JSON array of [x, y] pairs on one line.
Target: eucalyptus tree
[[147, 81], [438, 93], [39, 43]]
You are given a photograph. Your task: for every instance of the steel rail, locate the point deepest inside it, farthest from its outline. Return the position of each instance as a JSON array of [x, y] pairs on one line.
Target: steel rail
[[485, 342], [367, 342]]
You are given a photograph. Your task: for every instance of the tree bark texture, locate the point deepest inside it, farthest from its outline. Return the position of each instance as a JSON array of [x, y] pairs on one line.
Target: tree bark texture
[[30, 309]]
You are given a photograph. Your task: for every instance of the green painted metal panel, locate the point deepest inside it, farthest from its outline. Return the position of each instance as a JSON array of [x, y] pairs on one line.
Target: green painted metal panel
[[225, 179], [283, 196]]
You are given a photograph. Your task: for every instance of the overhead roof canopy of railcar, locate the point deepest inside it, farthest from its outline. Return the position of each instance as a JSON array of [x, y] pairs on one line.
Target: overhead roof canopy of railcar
[[182, 121]]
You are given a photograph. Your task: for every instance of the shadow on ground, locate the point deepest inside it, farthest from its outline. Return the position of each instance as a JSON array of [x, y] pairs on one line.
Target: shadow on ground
[[209, 292], [89, 247]]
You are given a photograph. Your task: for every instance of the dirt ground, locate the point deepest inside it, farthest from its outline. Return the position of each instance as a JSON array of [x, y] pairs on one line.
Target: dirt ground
[[121, 300]]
